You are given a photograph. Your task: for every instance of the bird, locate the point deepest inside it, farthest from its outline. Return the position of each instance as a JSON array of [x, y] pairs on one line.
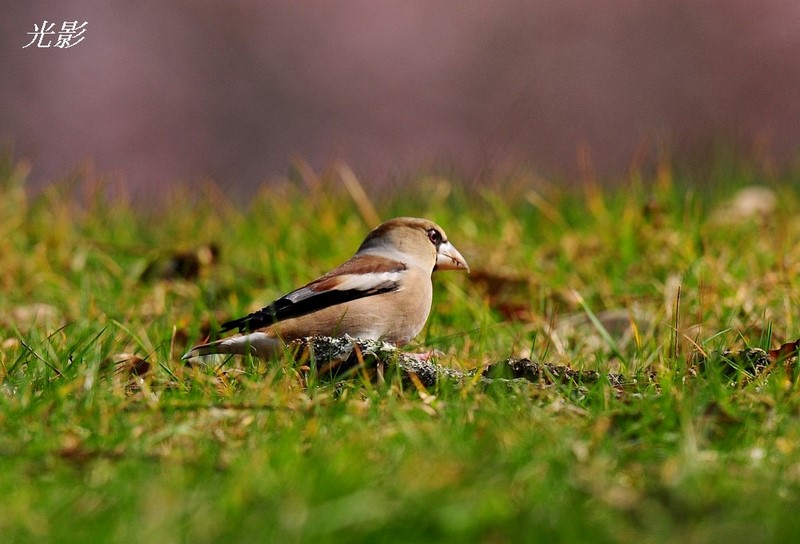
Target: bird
[[383, 292]]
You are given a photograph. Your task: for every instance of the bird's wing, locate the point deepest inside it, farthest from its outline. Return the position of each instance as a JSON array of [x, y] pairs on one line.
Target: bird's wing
[[362, 276]]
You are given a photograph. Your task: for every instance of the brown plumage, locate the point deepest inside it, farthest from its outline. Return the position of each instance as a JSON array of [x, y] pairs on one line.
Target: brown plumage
[[383, 292]]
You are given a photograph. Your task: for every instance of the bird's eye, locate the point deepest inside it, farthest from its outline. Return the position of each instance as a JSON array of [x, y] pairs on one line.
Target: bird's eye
[[435, 236]]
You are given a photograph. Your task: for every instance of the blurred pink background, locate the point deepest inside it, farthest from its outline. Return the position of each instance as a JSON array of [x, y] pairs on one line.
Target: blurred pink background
[[160, 93]]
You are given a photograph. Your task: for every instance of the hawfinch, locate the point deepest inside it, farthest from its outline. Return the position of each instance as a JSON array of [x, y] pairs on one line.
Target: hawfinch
[[383, 292]]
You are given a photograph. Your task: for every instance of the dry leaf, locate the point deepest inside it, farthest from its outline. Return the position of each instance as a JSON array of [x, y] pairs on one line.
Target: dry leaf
[[185, 265]]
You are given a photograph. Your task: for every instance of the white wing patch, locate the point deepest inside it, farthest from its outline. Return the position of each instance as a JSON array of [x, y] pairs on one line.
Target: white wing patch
[[367, 282]]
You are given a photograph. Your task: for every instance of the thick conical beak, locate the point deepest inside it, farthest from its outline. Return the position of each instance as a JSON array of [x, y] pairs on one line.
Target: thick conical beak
[[448, 258]]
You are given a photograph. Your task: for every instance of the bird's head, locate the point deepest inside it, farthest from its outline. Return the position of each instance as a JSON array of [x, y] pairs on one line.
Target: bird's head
[[420, 241]]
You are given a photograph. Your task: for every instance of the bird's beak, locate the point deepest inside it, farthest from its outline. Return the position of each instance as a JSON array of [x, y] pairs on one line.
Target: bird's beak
[[448, 258]]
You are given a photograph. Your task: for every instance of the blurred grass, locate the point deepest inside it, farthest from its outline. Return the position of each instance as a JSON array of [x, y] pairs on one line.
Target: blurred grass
[[98, 445]]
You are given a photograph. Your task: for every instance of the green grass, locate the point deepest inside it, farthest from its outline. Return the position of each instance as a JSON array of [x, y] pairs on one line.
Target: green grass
[[90, 451]]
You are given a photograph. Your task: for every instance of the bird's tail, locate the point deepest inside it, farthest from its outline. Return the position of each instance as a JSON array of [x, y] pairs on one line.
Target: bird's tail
[[258, 343], [211, 348]]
